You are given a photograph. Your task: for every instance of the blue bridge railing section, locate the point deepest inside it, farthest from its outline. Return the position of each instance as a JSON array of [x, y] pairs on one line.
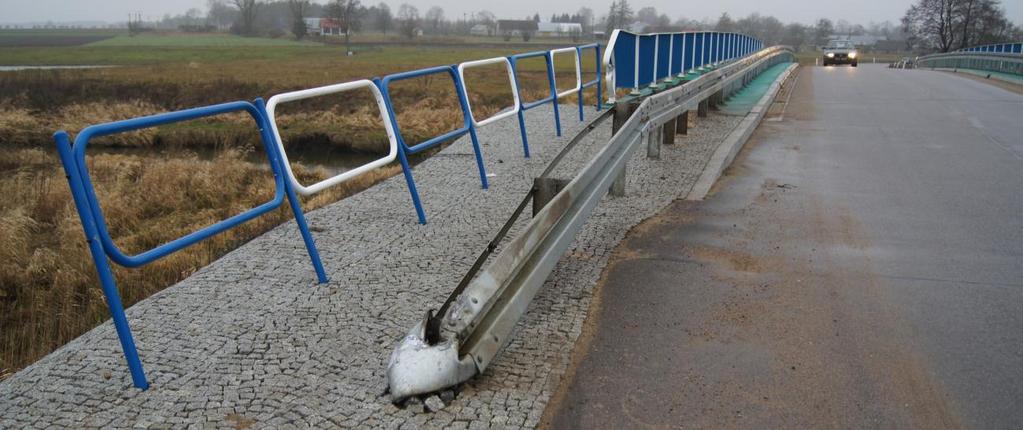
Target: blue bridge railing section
[[468, 127], [104, 250], [1003, 48], [639, 60], [97, 234]]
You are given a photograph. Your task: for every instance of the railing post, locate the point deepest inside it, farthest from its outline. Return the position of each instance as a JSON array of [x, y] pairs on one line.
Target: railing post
[[292, 197], [682, 124], [623, 111], [544, 190], [668, 132], [99, 259], [653, 142]]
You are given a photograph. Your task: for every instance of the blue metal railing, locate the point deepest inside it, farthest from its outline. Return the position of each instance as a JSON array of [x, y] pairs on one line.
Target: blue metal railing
[[639, 60], [551, 98], [1003, 48], [596, 79], [406, 150], [97, 234]]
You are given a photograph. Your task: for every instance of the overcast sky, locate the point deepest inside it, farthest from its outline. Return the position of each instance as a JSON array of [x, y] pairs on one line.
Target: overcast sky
[[806, 11]]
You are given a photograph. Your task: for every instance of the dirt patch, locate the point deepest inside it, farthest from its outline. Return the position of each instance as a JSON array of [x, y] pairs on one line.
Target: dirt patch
[[736, 260]]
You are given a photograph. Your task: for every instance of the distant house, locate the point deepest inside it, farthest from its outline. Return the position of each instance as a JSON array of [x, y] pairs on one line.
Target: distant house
[[559, 28], [323, 26], [481, 30], [515, 27]]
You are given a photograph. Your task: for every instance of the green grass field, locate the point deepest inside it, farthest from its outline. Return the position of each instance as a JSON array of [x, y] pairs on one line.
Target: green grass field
[[197, 40]]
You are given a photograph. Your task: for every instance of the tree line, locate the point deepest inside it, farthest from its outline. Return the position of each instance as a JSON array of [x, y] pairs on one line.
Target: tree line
[[946, 25], [928, 25]]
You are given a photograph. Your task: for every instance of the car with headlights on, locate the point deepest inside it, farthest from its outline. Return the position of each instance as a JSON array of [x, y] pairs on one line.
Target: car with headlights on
[[840, 52]]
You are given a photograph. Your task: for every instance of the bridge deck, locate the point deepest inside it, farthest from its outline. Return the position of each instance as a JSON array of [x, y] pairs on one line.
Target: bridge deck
[[858, 268], [252, 338]]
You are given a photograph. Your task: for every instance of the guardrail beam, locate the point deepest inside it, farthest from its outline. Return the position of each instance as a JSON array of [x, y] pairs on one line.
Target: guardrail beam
[[479, 317]]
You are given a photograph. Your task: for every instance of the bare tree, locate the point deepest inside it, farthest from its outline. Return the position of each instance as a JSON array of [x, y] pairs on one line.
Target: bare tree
[[408, 19], [247, 11], [346, 14], [822, 31], [620, 15], [486, 17], [298, 10], [983, 22], [795, 35], [585, 18], [647, 15], [435, 16], [219, 14], [933, 23], [725, 23], [384, 18]]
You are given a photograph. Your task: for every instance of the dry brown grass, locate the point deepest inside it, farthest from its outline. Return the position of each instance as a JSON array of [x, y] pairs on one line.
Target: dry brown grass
[[49, 292]]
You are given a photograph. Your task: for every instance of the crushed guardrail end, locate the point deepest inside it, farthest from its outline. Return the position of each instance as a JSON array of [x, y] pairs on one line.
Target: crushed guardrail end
[[417, 368]]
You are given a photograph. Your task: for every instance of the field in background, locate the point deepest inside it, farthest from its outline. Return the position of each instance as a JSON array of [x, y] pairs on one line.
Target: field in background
[[160, 183]]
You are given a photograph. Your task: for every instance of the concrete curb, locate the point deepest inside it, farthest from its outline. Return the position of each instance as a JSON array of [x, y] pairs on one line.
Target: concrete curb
[[978, 73], [725, 153]]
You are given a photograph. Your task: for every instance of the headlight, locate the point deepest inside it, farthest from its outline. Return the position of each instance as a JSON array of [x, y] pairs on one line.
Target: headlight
[[830, 55], [852, 54]]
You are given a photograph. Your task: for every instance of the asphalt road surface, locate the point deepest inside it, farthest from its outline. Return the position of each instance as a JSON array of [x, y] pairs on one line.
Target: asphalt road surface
[[859, 266]]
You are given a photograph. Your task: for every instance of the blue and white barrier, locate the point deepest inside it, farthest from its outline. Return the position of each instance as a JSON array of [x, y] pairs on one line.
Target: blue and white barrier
[[392, 153]]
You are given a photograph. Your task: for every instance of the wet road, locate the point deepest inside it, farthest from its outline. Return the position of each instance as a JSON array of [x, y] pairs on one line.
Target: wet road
[[860, 265]]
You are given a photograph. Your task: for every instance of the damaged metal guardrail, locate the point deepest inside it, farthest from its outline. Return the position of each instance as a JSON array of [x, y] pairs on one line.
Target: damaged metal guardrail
[[471, 328]]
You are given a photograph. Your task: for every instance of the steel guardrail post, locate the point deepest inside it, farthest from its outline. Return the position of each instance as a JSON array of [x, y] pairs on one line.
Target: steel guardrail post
[[653, 142], [682, 123], [668, 131], [622, 113]]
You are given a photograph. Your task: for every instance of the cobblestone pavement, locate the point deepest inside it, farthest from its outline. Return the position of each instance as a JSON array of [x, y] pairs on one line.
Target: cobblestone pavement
[[252, 340]]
